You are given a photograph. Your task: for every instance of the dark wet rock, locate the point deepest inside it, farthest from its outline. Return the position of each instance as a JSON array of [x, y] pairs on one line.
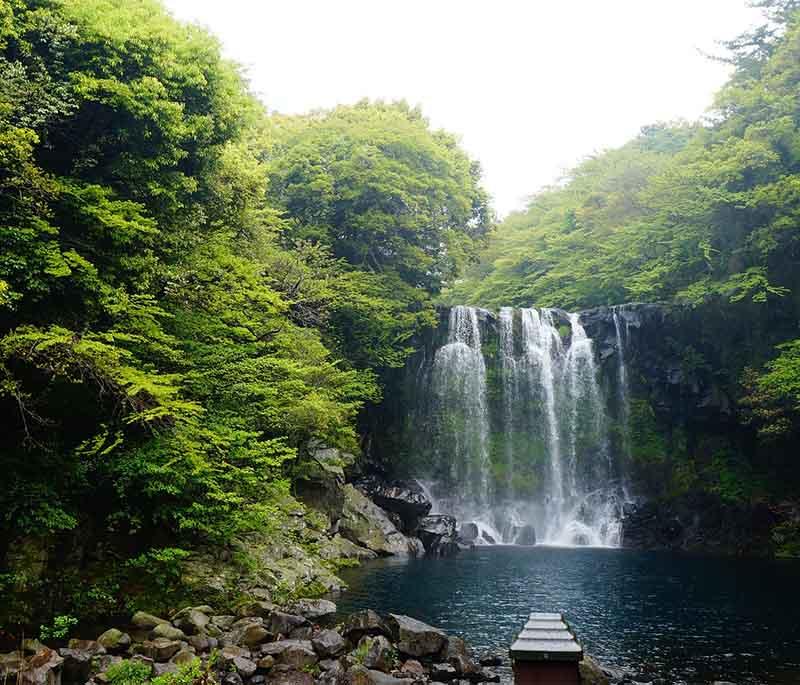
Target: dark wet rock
[[406, 499], [366, 622], [488, 538], [313, 609], [328, 643], [438, 535], [699, 522], [443, 672], [232, 678], [415, 638], [77, 666], [468, 533], [495, 658]]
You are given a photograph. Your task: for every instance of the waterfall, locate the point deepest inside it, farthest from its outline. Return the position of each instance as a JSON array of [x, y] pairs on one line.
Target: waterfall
[[518, 435], [459, 386]]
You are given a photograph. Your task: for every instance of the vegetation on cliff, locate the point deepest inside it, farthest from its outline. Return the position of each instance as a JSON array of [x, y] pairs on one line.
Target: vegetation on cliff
[[704, 215], [191, 290]]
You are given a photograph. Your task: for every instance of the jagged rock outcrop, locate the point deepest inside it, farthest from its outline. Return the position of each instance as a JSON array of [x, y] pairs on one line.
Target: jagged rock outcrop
[[366, 524], [407, 499], [438, 535]]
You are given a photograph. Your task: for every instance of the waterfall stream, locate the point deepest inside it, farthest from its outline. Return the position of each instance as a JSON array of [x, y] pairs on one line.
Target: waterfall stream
[[517, 428]]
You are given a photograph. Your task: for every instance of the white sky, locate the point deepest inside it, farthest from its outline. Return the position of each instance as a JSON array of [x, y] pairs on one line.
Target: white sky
[[530, 86]]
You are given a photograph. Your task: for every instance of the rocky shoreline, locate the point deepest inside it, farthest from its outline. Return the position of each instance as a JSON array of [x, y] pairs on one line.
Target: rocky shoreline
[[259, 643]]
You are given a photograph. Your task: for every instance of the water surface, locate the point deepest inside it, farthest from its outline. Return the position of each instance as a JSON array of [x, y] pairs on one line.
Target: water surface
[[683, 618]]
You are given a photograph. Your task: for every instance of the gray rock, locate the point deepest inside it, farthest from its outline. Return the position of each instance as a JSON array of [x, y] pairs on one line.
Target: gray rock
[[145, 621], [468, 532], [161, 669], [366, 524], [223, 622], [244, 666], [495, 658], [366, 622], [276, 649], [313, 609], [169, 632], [191, 620], [43, 668], [416, 638], [283, 624], [328, 643], [330, 665], [232, 678], [160, 649], [262, 609], [298, 656], [77, 666], [438, 535], [183, 657], [289, 677], [358, 675], [322, 483], [380, 655], [115, 640], [407, 499]]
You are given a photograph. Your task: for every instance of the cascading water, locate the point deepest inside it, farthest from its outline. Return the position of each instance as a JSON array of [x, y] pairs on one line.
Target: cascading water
[[520, 434]]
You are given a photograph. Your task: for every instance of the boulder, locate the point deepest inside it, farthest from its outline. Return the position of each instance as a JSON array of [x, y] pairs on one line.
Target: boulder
[[145, 621], [407, 499], [495, 658], [161, 669], [313, 609], [380, 655], [366, 524], [328, 643], [468, 533], [43, 668], [169, 632], [266, 662], [232, 678], [258, 608], [366, 622], [298, 655], [438, 535], [114, 640], [415, 638], [183, 657], [160, 649], [77, 666], [591, 673], [289, 677], [442, 672], [244, 666], [359, 675], [192, 621], [281, 623], [276, 649], [413, 668], [224, 622]]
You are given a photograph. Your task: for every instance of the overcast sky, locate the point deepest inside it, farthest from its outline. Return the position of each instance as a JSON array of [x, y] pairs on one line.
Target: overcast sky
[[530, 86]]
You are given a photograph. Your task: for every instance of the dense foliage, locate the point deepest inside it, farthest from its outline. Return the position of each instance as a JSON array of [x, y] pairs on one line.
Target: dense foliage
[[704, 215], [191, 290]]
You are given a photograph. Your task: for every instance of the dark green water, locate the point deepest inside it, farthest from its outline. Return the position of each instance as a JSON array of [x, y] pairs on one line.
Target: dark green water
[[682, 618]]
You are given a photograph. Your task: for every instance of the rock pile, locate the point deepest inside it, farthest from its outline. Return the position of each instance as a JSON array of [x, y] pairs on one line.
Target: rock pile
[[259, 644]]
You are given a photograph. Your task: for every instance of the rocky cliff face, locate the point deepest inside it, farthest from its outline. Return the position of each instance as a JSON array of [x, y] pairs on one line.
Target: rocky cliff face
[[673, 427]]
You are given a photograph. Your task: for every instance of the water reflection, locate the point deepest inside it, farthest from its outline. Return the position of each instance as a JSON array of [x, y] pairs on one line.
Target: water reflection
[[688, 619]]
